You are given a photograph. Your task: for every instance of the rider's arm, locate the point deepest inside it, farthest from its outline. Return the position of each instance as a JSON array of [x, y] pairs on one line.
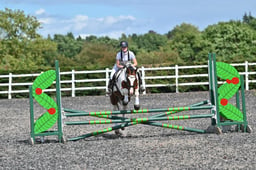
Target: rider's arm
[[133, 58], [118, 58], [134, 62], [118, 64]]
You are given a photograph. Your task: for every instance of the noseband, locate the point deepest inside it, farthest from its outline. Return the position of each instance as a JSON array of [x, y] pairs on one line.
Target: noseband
[[130, 71]]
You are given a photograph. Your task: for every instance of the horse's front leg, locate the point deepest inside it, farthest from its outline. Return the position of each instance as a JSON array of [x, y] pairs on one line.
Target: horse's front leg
[[117, 131], [137, 101], [126, 96]]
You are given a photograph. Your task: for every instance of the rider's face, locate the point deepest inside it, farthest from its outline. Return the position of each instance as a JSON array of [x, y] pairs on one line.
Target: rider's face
[[124, 49]]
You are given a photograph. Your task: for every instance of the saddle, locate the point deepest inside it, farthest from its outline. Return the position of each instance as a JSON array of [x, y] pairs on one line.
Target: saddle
[[112, 81]]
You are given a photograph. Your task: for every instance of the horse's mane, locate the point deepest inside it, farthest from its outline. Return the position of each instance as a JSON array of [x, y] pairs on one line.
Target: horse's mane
[[130, 67]]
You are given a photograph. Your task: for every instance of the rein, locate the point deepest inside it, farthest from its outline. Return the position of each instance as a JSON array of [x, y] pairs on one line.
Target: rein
[[126, 83]]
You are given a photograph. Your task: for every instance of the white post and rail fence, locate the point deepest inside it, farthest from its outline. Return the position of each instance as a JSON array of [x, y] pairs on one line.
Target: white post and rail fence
[[78, 80]]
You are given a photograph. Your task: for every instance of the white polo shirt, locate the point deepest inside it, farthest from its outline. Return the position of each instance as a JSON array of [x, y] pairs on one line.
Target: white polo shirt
[[125, 57]]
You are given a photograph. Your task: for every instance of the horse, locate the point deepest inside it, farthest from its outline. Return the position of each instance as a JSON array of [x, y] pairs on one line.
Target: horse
[[126, 84]]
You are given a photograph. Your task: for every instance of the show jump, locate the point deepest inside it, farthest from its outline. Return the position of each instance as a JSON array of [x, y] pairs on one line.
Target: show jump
[[221, 112]]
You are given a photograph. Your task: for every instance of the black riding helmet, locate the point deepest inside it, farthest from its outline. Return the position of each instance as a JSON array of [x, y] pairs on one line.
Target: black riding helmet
[[123, 44]]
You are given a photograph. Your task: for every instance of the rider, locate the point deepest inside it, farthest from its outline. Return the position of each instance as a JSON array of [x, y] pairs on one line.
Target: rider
[[122, 57]]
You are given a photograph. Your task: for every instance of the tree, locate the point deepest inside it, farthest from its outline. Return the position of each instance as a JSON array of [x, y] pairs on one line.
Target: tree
[[232, 40], [187, 40], [21, 45], [16, 25], [151, 41], [250, 20], [183, 32], [67, 45], [95, 55]]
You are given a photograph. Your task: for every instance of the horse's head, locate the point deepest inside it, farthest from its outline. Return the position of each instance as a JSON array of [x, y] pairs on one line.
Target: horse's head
[[127, 85], [131, 76]]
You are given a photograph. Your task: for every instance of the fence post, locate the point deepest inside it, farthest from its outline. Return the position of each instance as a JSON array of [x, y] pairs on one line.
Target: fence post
[[10, 86], [73, 87], [107, 79], [143, 78], [246, 76], [177, 78]]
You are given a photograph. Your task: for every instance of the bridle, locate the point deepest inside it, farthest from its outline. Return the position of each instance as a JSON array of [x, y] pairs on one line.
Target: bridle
[[131, 78]]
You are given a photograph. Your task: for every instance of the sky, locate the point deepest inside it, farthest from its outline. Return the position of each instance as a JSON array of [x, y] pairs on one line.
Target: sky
[[113, 18]]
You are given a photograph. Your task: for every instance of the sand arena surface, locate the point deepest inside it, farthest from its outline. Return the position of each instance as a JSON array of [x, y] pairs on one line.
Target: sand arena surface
[[143, 147]]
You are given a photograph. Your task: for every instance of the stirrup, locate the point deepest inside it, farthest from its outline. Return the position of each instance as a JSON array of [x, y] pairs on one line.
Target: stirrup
[[109, 91], [110, 87]]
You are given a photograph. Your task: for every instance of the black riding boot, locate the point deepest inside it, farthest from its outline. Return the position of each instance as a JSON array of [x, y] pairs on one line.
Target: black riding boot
[[110, 86]]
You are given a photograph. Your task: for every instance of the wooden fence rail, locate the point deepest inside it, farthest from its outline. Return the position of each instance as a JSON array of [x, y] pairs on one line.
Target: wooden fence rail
[[175, 74]]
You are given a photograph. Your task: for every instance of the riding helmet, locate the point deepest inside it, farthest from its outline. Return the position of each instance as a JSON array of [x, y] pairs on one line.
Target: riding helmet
[[123, 44]]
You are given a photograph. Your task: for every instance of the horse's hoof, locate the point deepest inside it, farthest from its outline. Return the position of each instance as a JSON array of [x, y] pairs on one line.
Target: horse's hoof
[[118, 132], [136, 107], [125, 103]]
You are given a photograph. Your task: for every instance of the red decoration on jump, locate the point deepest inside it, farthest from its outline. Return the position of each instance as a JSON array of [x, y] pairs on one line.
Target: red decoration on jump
[[52, 111], [223, 102], [228, 81], [234, 80], [39, 91]]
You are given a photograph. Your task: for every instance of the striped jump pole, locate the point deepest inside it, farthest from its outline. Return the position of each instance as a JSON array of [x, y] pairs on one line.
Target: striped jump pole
[[138, 120], [75, 113], [174, 112], [157, 115], [116, 127], [177, 127], [98, 132]]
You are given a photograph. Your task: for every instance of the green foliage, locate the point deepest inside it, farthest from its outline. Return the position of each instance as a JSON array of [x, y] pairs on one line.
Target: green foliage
[[17, 55], [158, 58], [250, 20], [22, 47], [232, 40], [16, 25], [150, 41], [67, 45], [187, 41], [95, 55]]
